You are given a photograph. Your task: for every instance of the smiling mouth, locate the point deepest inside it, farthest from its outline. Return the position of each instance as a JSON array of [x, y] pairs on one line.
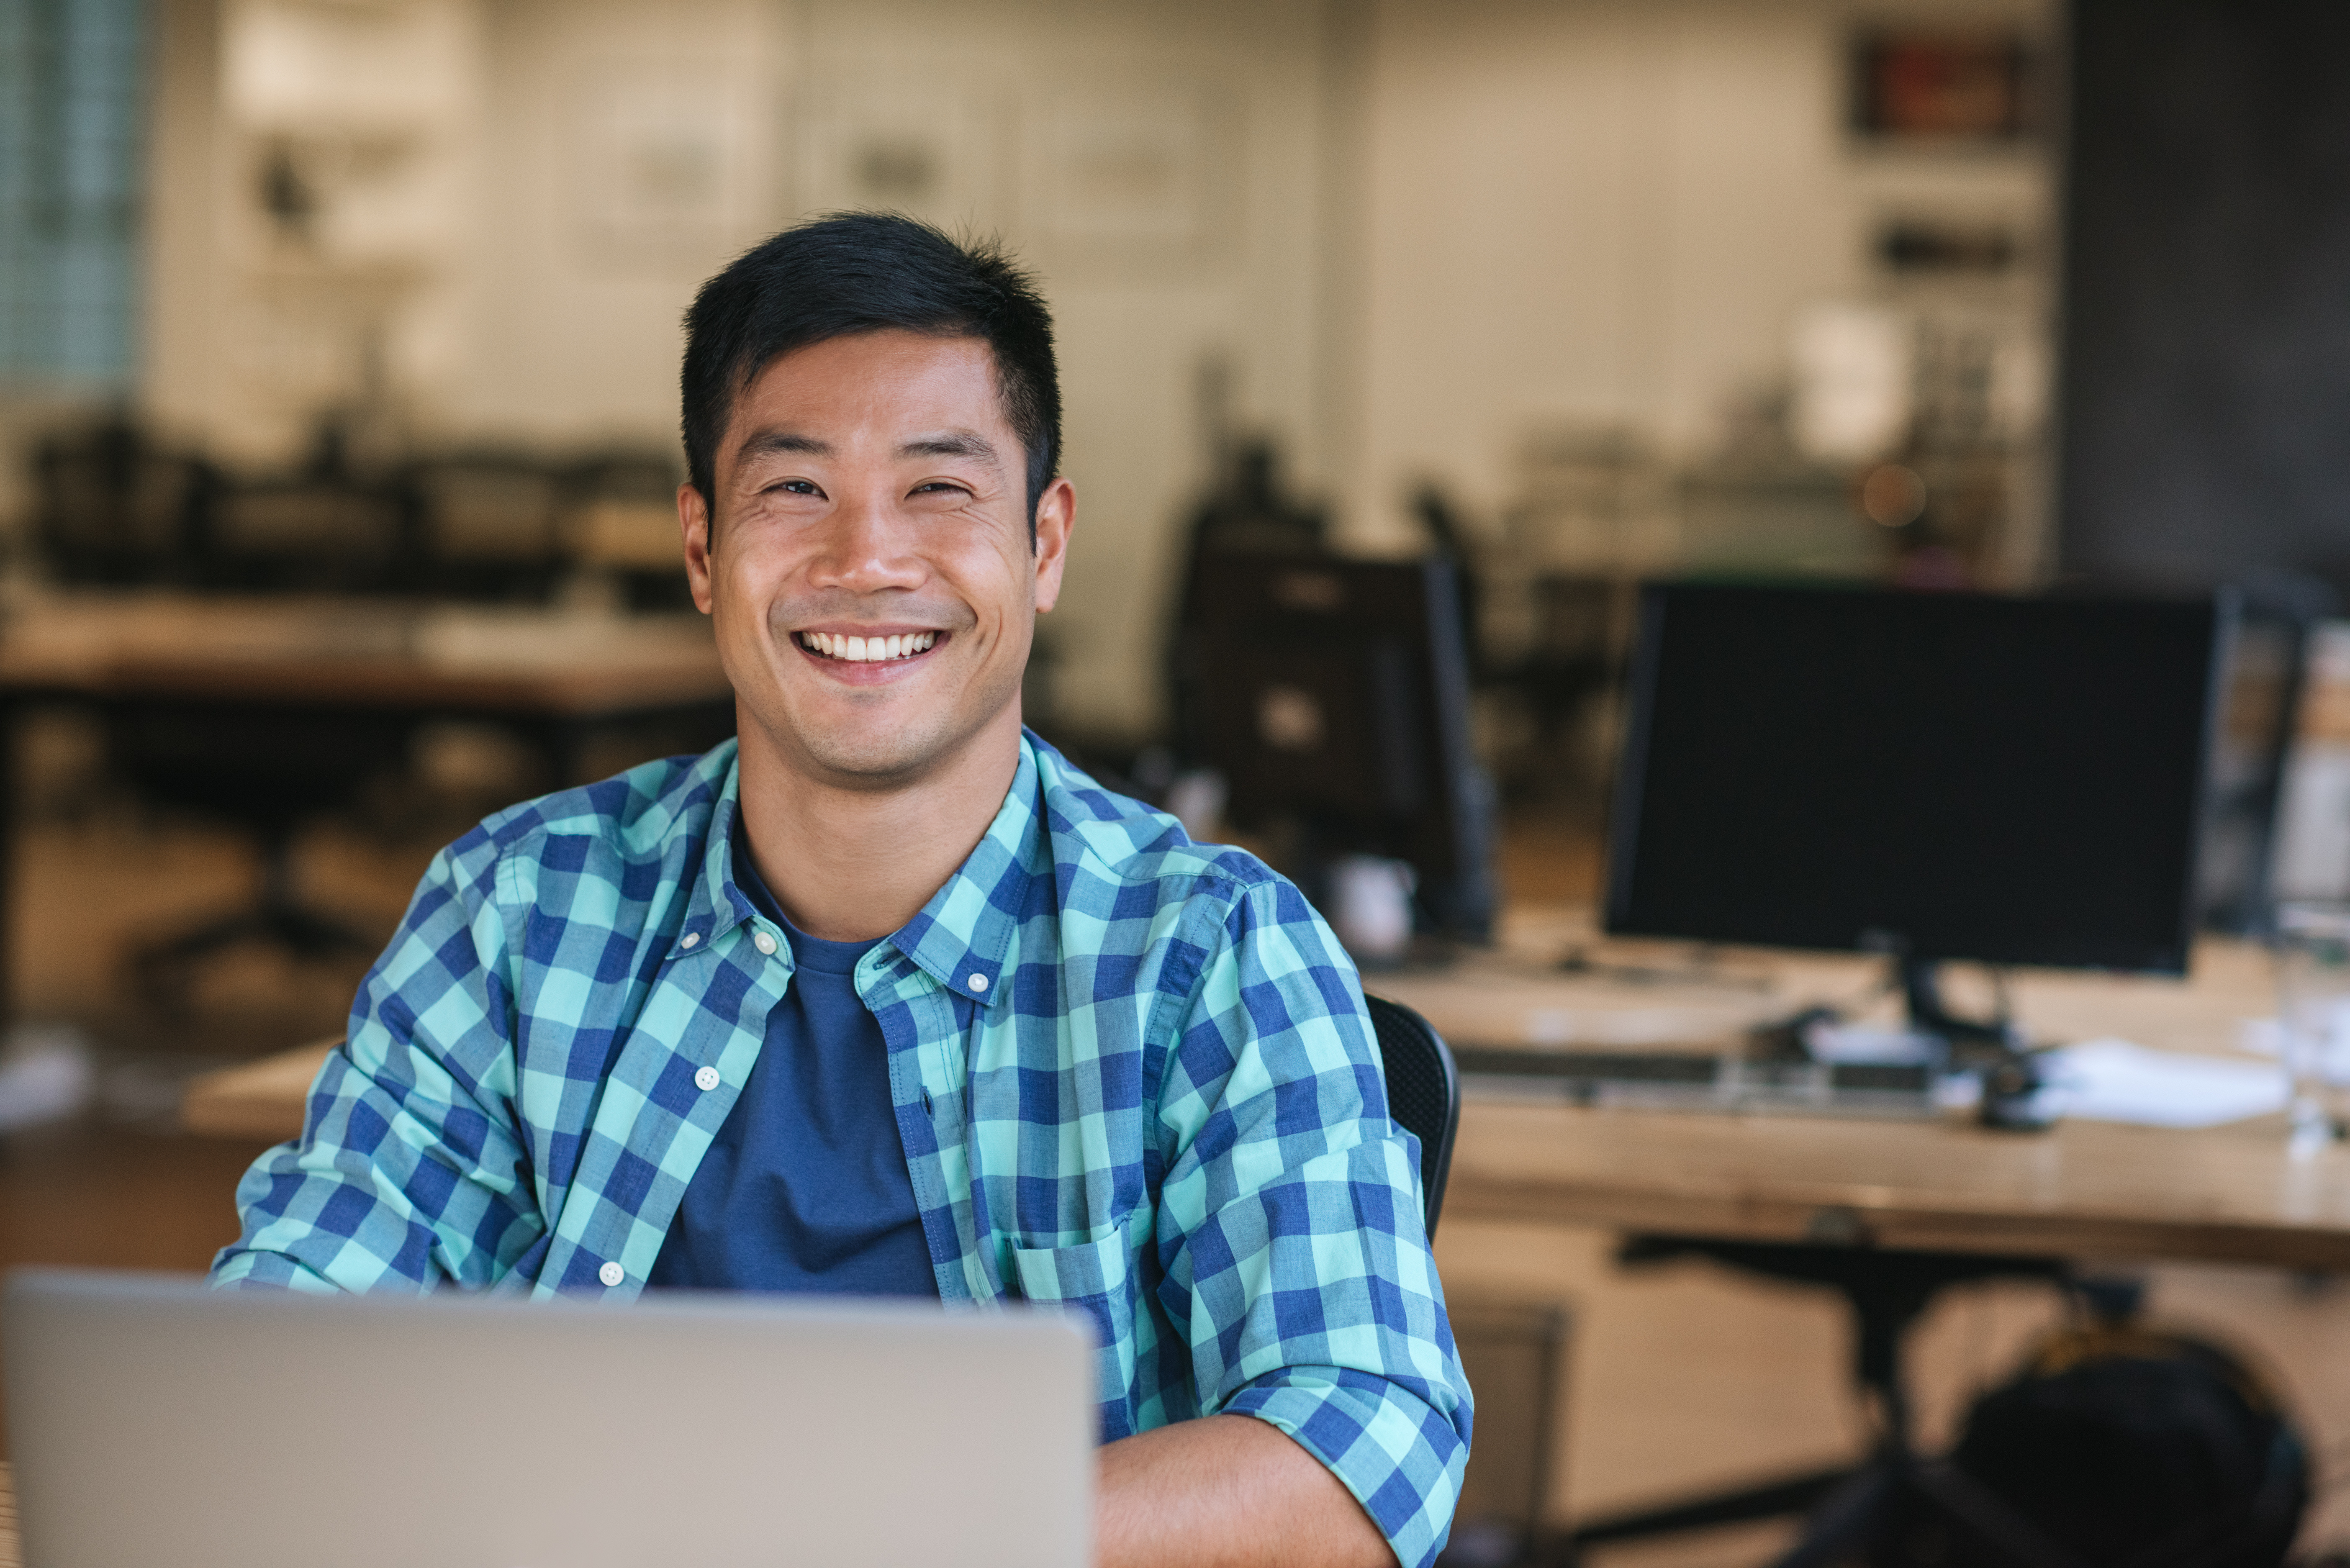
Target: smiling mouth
[[865, 649]]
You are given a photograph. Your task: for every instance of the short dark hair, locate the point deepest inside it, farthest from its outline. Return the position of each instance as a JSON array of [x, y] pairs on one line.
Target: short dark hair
[[869, 272]]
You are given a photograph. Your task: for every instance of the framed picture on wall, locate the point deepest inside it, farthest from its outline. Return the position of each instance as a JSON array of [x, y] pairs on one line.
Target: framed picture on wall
[[1942, 87], [1132, 174], [663, 157], [867, 141]]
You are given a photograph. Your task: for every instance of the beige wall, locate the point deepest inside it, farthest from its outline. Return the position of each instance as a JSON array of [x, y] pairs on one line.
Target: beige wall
[[572, 300], [1607, 212]]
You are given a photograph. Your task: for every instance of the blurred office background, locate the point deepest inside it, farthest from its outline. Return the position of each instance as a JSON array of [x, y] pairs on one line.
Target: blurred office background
[[303, 294], [375, 303]]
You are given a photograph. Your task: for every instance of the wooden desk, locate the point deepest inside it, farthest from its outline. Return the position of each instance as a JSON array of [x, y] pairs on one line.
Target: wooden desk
[[263, 1099], [322, 668], [377, 654], [2081, 1189]]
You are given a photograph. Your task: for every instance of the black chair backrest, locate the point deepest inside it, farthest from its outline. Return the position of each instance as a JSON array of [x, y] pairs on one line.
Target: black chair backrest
[[1423, 1092]]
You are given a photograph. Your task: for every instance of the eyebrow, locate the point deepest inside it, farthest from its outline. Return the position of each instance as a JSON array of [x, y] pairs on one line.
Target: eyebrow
[[951, 443], [765, 441], [943, 444]]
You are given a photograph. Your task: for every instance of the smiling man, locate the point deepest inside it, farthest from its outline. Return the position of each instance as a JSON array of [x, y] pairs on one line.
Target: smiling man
[[885, 997]]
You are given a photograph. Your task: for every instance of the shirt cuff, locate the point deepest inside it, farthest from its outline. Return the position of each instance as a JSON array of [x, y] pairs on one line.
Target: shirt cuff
[[267, 1271], [1401, 1456]]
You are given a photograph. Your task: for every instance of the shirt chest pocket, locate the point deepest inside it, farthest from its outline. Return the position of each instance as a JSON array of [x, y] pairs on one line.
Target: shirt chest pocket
[[1094, 1278]]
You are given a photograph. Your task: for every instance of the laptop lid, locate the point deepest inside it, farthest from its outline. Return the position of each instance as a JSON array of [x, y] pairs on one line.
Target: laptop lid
[[155, 1421]]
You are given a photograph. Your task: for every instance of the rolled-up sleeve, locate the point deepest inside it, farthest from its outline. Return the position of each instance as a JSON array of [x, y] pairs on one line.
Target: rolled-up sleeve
[[1296, 1264], [410, 1171]]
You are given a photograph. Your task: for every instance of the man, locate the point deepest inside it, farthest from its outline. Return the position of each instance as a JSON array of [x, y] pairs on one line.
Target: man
[[886, 997]]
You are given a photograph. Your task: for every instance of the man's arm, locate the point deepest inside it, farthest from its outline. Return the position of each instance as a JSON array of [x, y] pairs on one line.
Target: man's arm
[[409, 1172], [1296, 1269], [1227, 1491]]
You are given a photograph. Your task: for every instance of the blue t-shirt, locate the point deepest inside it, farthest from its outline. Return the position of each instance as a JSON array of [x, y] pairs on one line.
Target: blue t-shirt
[[805, 1187]]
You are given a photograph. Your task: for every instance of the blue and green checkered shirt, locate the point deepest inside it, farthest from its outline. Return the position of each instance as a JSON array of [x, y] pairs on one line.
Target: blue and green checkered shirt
[[1133, 1074]]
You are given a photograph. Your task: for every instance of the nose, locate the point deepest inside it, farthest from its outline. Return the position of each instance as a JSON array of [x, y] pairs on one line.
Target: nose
[[865, 547]]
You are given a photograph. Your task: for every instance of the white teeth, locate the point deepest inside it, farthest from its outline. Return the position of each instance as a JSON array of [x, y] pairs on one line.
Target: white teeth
[[870, 649]]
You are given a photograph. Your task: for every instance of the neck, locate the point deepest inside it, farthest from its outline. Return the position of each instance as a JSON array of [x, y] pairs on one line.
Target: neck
[[850, 863]]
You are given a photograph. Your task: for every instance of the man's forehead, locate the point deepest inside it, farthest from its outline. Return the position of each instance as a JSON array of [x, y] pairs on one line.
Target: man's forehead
[[925, 395]]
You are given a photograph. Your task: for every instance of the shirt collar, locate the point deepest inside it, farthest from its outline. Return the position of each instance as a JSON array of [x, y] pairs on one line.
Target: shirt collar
[[962, 936], [716, 905]]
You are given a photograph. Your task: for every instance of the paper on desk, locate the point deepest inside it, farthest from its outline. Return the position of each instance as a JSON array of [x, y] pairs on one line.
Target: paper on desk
[[2115, 1081]]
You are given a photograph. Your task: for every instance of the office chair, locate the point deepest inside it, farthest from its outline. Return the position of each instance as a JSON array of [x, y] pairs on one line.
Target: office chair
[[266, 770], [2278, 615], [1423, 1093], [486, 526], [328, 533], [1851, 1505], [621, 523], [112, 508]]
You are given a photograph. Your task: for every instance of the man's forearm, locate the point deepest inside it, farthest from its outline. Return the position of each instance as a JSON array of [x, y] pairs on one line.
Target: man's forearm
[[1228, 1491]]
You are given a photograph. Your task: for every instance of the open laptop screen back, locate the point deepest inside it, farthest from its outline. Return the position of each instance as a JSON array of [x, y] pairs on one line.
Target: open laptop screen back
[[1963, 776], [154, 1422]]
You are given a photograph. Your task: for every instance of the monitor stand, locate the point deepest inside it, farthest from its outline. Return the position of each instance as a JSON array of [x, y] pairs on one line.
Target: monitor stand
[[2011, 1079]]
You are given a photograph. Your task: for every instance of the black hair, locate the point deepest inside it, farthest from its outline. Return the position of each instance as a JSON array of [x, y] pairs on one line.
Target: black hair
[[869, 272]]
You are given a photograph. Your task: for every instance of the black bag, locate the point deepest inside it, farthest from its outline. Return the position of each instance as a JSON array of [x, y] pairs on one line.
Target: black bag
[[2122, 1448]]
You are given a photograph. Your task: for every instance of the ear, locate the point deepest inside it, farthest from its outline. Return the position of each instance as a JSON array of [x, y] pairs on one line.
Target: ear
[[694, 521], [1056, 517]]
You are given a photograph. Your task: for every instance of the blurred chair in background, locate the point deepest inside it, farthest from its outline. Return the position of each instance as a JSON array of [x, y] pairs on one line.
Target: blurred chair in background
[[486, 526], [621, 521], [302, 535], [267, 770], [1249, 513], [110, 508], [1515, 1354], [328, 528], [1563, 687], [2268, 670]]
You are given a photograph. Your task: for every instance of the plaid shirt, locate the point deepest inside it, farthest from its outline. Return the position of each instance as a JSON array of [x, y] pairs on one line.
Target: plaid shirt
[[1132, 1074]]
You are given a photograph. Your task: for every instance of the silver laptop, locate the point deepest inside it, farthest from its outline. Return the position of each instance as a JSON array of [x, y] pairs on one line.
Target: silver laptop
[[156, 1422]]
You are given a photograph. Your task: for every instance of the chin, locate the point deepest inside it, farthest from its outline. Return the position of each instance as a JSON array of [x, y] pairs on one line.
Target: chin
[[877, 755], [881, 743]]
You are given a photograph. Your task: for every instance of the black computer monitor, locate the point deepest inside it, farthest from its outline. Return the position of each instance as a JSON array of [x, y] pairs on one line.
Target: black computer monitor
[[1961, 776], [1334, 697]]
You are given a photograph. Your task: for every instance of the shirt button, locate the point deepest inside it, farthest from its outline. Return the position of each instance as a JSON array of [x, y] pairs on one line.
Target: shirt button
[[691, 938], [612, 1274], [706, 1079], [977, 982], [764, 942]]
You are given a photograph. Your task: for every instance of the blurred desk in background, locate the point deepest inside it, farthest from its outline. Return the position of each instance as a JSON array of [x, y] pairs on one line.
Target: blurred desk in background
[[2081, 1189], [263, 709], [326, 653], [263, 1099]]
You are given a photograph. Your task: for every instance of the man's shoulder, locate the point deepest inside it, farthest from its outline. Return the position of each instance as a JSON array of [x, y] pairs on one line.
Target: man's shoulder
[[644, 813], [1131, 844]]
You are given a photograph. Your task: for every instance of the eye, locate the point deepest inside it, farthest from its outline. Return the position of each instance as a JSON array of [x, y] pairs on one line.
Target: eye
[[797, 487], [942, 487]]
